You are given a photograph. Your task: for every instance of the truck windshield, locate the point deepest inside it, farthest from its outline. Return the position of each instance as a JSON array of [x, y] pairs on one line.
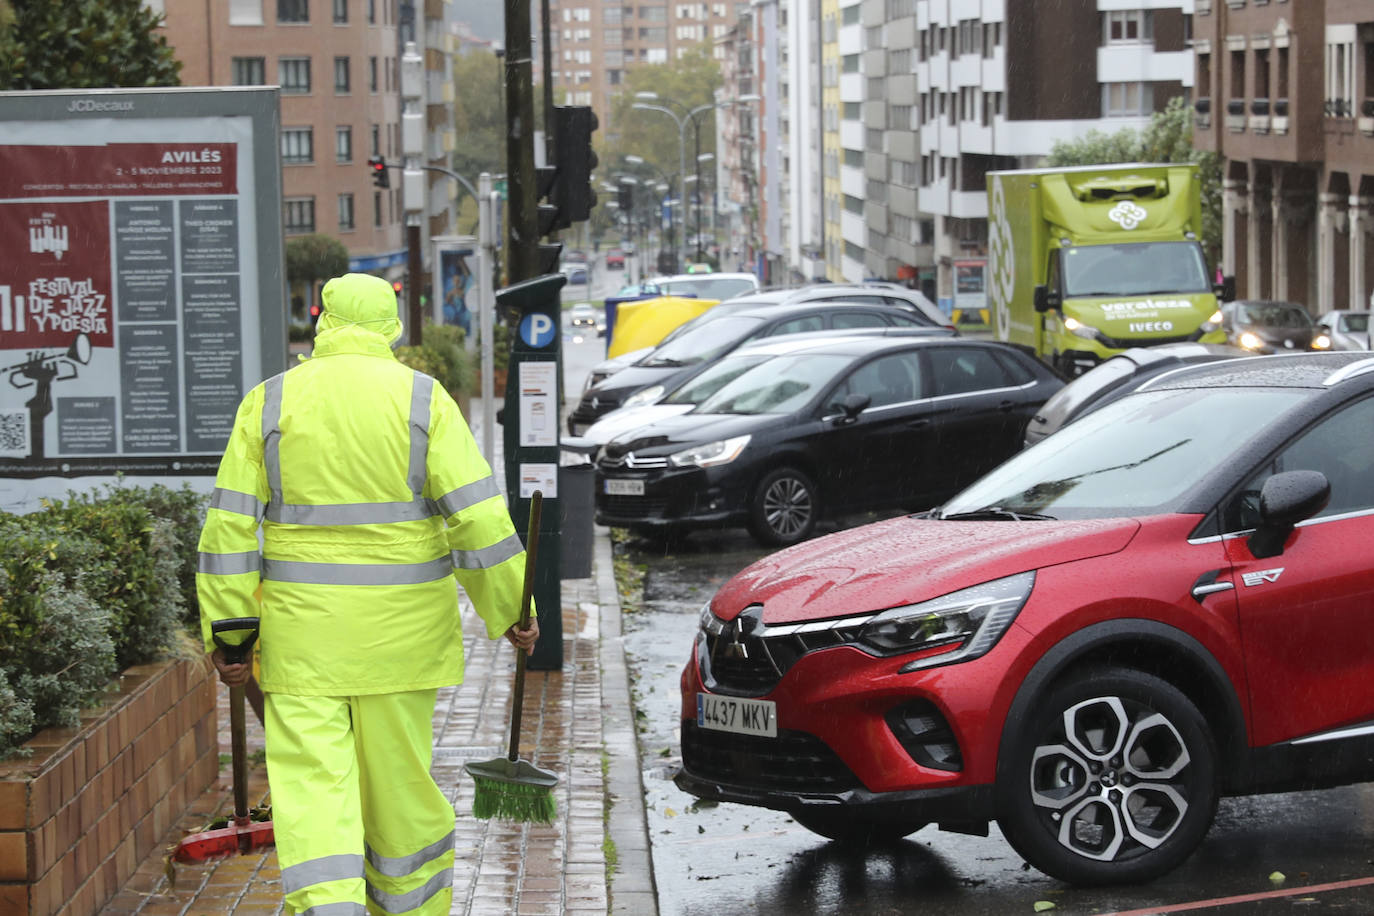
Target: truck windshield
[[1135, 269]]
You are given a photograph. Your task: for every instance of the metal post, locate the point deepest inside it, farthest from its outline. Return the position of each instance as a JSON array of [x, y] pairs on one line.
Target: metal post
[[488, 204], [521, 187]]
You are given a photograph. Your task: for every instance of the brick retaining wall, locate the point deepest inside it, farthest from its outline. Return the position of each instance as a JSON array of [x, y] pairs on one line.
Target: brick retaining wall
[[91, 803]]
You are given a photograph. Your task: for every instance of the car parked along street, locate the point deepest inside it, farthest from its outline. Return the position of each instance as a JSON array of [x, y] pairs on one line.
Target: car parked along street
[[838, 428], [1165, 602]]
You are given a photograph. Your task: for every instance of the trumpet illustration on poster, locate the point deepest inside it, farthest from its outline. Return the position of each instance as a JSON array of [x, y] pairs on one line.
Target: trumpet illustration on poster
[[39, 371]]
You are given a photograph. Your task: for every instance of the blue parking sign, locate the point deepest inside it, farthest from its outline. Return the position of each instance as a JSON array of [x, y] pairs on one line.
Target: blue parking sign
[[537, 330]]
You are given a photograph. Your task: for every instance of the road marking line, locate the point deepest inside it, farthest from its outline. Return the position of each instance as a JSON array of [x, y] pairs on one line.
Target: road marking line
[[1245, 898]]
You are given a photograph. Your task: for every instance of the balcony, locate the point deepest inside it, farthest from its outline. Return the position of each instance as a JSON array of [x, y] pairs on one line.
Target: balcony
[[1280, 122], [1235, 115], [1203, 119], [1259, 116], [1366, 119], [1338, 108]]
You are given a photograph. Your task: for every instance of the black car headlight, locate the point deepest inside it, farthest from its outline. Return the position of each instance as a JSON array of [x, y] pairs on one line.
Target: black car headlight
[[709, 454], [968, 623]]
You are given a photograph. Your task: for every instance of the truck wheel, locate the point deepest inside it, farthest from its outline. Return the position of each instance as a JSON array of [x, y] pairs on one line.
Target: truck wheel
[[1113, 780]]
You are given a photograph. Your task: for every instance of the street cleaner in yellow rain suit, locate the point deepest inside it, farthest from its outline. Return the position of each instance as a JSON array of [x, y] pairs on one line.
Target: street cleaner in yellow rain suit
[[371, 497]]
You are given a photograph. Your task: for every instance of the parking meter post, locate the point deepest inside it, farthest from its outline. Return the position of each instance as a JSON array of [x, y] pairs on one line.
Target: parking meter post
[[534, 394]]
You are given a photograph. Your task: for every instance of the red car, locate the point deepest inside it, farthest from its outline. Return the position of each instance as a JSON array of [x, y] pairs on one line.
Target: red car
[[615, 259], [1165, 602]]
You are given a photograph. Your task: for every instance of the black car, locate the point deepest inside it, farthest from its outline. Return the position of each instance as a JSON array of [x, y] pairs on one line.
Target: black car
[[712, 339], [1270, 326], [845, 426], [1117, 377]]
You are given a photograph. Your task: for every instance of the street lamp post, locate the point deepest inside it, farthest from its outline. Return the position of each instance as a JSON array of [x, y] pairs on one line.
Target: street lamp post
[[667, 184], [681, 121]]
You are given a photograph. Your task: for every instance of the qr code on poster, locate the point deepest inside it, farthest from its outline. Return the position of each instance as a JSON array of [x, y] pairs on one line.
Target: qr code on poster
[[14, 433]]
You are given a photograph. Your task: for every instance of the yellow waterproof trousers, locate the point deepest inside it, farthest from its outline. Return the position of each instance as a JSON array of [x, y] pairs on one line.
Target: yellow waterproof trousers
[[360, 825]]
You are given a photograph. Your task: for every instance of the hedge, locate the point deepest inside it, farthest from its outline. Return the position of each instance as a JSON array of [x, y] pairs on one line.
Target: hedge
[[90, 586]]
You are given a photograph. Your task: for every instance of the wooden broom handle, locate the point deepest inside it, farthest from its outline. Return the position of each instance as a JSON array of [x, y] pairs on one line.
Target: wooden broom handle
[[527, 594]]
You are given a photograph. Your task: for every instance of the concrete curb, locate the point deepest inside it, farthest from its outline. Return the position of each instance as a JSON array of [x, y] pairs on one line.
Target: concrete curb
[[632, 888]]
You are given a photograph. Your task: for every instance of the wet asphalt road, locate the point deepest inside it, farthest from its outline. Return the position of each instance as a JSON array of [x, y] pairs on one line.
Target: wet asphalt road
[[731, 860]]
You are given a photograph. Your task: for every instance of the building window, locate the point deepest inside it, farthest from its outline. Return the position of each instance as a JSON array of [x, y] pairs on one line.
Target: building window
[[1127, 27], [343, 144], [992, 37], [376, 208], [1340, 71], [300, 215], [346, 211], [297, 145], [372, 74], [293, 10], [376, 141], [371, 12], [340, 12], [294, 75], [245, 12], [341, 77], [850, 63], [1122, 100], [249, 71]]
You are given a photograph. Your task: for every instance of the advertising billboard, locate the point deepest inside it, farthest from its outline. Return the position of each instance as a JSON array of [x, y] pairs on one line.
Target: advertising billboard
[[141, 288]]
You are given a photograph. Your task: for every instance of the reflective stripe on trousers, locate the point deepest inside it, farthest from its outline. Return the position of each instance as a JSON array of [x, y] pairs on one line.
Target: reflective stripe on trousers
[[357, 816]]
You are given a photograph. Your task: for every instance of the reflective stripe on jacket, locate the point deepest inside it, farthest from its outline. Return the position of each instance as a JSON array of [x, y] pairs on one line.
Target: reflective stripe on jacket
[[370, 495]]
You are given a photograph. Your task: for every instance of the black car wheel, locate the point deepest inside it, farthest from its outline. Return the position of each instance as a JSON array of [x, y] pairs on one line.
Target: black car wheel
[[851, 827], [1111, 781], [783, 508]]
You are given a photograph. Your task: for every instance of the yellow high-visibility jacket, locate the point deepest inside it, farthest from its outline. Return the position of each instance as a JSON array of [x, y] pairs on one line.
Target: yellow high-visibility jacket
[[370, 495]]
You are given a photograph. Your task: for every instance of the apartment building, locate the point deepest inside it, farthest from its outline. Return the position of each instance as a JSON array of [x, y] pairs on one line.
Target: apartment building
[[593, 42], [812, 133], [336, 64], [737, 142], [898, 235], [998, 81], [1285, 93]]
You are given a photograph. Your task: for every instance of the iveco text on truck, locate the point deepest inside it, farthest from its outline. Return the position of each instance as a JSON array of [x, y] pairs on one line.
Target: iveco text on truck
[[1085, 262]]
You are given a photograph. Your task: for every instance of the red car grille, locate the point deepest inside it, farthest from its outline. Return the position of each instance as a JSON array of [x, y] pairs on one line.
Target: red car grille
[[791, 762]]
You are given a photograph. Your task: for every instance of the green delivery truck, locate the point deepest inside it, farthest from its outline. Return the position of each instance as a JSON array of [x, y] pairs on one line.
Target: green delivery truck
[[1085, 262]]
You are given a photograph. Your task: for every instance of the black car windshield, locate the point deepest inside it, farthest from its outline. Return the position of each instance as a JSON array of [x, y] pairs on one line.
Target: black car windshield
[[1137, 456], [704, 342], [713, 379], [780, 385], [708, 287], [1275, 315], [1135, 269]]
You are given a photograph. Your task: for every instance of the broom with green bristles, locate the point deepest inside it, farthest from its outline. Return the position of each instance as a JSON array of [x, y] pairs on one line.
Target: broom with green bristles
[[509, 788]]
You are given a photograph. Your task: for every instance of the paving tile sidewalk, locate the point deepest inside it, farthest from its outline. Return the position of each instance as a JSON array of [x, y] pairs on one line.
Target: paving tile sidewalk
[[577, 723]]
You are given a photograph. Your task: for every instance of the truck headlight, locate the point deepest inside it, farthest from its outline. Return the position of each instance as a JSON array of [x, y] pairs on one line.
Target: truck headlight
[[1079, 329], [966, 624], [644, 396], [710, 454], [1211, 324]]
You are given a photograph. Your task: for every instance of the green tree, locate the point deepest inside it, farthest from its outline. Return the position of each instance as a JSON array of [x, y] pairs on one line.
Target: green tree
[[83, 44], [681, 85], [312, 259], [1167, 138]]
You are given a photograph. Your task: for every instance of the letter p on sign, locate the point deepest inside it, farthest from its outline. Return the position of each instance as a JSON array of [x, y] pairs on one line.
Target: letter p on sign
[[537, 330]]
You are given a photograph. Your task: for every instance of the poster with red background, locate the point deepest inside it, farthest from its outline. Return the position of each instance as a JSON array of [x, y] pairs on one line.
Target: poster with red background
[[55, 280]]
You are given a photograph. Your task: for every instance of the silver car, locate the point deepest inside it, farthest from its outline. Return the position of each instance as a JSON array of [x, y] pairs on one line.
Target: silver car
[[1347, 330]]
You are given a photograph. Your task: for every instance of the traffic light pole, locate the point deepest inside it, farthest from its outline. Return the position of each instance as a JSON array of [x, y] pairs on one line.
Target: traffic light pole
[[522, 195]]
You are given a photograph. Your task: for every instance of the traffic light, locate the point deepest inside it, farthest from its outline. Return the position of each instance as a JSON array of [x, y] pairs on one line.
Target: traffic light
[[572, 146], [627, 198], [380, 178]]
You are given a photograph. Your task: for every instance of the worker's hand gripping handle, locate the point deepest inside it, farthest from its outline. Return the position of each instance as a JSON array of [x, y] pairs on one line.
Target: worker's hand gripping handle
[[235, 653]]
